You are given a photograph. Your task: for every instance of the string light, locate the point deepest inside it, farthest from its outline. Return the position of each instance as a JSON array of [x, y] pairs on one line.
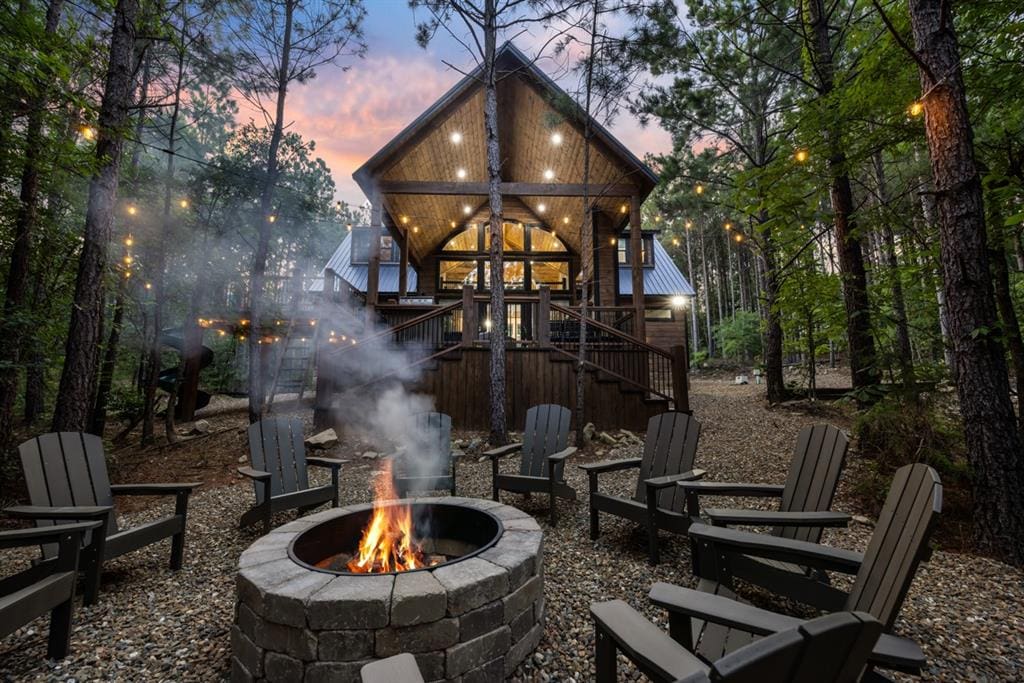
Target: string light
[[623, 209], [801, 156], [728, 225], [739, 237], [455, 137], [675, 242], [128, 241], [149, 285], [614, 241], [689, 224], [415, 229], [916, 108], [128, 259], [132, 210], [88, 132], [699, 189], [183, 203], [556, 138], [270, 219]]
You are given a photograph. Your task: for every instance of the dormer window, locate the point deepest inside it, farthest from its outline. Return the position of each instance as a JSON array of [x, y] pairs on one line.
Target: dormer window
[[361, 247], [626, 250]]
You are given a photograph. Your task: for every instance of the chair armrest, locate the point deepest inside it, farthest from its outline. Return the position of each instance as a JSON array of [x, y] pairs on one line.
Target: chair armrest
[[724, 517], [718, 488], [98, 512], [777, 548], [325, 462], [610, 465], [671, 479], [17, 538], [258, 475], [718, 609], [502, 451], [153, 489], [560, 456]]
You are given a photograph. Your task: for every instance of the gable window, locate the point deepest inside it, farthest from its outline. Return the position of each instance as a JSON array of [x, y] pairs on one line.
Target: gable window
[[626, 250], [534, 258], [361, 247]]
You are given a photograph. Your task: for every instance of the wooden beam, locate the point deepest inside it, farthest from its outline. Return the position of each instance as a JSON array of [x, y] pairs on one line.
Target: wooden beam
[[426, 187], [373, 260], [403, 264], [636, 246]]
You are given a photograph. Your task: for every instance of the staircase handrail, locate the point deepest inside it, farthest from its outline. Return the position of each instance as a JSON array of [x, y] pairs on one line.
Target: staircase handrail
[[617, 376], [429, 315], [611, 331]]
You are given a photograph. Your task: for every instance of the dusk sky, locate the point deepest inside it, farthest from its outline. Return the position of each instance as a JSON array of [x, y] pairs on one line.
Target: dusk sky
[[351, 114]]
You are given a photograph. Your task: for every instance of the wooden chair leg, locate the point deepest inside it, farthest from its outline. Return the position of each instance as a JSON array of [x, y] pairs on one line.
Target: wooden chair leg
[[453, 477], [178, 540], [267, 514], [93, 566], [604, 656], [552, 502], [652, 528], [60, 629]]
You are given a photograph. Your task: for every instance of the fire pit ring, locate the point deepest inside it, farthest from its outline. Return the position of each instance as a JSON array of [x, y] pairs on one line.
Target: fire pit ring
[[476, 616]]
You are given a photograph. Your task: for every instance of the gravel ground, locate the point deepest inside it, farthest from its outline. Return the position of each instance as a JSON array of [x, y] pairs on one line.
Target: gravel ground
[[155, 625]]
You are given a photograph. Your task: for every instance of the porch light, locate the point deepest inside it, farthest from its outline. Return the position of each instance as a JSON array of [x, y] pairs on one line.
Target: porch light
[[549, 174], [456, 137], [461, 173], [541, 208], [679, 302], [467, 209], [556, 138]]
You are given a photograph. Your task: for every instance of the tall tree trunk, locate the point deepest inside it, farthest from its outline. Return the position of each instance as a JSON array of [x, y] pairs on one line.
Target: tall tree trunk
[[499, 430], [707, 293], [904, 352], [775, 383], [260, 254], [1007, 312], [993, 442], [98, 421], [158, 253], [586, 240], [14, 323], [74, 398], [851, 256]]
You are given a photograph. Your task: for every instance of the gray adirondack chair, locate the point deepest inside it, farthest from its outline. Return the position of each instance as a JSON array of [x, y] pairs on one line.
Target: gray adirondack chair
[[543, 453], [395, 669], [714, 622], [427, 463], [831, 648], [803, 512], [670, 447], [278, 468], [46, 587], [67, 481]]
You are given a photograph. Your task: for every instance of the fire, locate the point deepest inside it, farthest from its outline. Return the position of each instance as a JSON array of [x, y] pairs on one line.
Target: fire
[[388, 544]]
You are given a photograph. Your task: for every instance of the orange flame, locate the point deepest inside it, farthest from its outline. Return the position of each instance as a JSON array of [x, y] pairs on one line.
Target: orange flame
[[387, 544]]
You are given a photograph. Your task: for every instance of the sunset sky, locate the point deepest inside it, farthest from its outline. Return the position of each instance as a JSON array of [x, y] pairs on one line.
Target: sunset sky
[[351, 114]]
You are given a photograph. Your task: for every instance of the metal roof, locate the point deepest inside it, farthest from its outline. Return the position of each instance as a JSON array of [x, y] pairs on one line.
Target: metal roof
[[664, 279], [355, 274]]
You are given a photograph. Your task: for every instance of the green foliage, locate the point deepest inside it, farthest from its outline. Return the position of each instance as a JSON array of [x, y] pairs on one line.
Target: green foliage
[[900, 430], [740, 336]]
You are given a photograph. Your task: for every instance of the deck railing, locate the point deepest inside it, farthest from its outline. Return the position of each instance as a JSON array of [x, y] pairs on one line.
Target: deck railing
[[613, 352]]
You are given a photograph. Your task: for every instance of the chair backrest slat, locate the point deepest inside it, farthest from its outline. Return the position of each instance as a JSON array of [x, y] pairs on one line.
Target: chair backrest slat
[[432, 438], [813, 477], [66, 469], [670, 447], [276, 446], [834, 648], [546, 433], [898, 545]]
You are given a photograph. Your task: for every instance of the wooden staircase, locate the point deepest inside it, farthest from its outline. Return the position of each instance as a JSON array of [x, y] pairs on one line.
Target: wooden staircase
[[626, 382]]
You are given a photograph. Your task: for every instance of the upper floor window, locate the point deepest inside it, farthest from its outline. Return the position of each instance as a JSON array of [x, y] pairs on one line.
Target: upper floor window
[[516, 238], [361, 247], [626, 250]]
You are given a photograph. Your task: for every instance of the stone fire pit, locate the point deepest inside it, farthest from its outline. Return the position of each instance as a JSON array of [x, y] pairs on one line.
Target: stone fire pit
[[474, 618]]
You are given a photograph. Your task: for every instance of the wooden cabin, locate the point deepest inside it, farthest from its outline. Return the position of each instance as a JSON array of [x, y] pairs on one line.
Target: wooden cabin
[[422, 271]]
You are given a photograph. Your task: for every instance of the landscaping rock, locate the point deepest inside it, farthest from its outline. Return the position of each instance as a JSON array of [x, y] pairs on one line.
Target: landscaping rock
[[323, 440]]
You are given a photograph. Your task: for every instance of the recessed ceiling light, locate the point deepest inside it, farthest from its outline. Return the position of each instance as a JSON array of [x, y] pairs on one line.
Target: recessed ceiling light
[[405, 219], [556, 138], [541, 208], [456, 137], [549, 174], [467, 209], [415, 228], [461, 173], [566, 220]]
